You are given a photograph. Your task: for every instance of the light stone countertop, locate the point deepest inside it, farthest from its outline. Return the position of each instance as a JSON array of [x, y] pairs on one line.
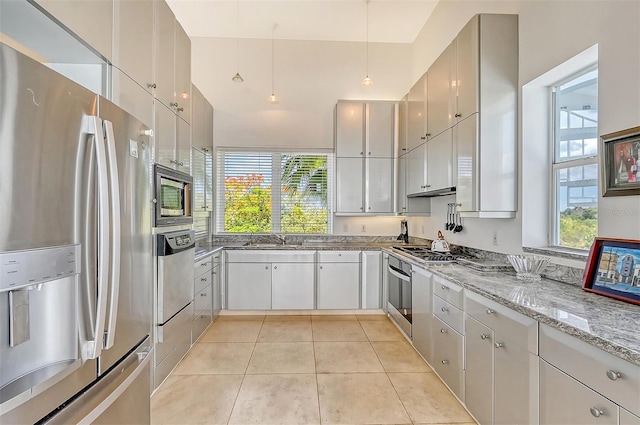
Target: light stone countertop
[[611, 325]]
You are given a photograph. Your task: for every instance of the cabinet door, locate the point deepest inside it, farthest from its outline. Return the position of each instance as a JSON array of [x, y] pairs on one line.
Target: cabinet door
[[183, 146], [422, 312], [131, 97], [448, 355], [92, 20], [563, 400], [403, 115], [349, 185], [199, 180], [416, 114], [401, 194], [515, 376], [201, 120], [216, 290], [467, 61], [349, 129], [292, 286], [208, 187], [133, 40], [379, 185], [440, 161], [416, 170], [182, 63], [249, 286], [371, 279], [338, 286], [478, 347], [165, 136], [440, 94], [465, 134], [380, 127], [164, 48]]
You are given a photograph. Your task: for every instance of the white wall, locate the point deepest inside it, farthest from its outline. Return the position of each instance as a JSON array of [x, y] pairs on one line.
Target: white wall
[[310, 76], [551, 32]]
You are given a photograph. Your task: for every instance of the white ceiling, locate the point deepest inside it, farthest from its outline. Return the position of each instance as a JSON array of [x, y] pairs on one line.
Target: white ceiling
[[391, 21]]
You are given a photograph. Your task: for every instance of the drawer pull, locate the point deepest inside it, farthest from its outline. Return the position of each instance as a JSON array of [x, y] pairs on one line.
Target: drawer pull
[[444, 309], [445, 362], [489, 311], [613, 375], [596, 412], [484, 336], [499, 345], [203, 295], [203, 279], [444, 287], [443, 331], [204, 264]]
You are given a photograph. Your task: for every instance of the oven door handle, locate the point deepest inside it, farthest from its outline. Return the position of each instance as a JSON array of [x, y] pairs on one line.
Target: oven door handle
[[399, 275]]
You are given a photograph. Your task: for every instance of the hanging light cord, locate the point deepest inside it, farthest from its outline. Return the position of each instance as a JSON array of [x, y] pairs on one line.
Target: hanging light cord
[[272, 59], [368, 38], [238, 36]]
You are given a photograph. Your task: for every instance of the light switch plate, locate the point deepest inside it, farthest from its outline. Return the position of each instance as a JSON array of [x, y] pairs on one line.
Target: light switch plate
[[133, 148]]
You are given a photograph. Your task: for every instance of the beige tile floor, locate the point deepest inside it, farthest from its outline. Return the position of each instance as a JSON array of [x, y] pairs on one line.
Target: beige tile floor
[[347, 369]]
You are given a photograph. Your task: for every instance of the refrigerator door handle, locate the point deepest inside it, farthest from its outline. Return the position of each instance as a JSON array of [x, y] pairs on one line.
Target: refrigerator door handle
[[93, 348], [114, 213]]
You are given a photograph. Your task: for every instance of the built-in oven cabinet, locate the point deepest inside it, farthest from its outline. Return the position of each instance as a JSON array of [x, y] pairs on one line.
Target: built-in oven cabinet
[[422, 312], [448, 356]]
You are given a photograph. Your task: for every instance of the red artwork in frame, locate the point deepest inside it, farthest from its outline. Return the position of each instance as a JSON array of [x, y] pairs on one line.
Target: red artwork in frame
[[613, 269]]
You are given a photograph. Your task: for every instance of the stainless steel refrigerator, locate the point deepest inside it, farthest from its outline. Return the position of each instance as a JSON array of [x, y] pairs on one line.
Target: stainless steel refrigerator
[[75, 252]]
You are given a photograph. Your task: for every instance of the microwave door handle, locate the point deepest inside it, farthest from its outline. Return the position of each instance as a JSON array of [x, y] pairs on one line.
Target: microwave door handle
[[398, 275], [93, 348], [114, 213]]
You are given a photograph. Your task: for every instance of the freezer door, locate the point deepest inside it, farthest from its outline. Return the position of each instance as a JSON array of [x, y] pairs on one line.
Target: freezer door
[[129, 310]]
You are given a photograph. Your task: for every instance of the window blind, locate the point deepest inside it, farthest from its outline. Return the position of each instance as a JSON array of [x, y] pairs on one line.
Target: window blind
[[273, 192]]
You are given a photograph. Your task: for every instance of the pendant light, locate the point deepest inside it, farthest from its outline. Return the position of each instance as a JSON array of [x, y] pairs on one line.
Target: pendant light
[[273, 98], [367, 81], [237, 78]]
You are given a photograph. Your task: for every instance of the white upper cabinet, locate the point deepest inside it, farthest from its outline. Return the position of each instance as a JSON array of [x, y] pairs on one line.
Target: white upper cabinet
[[441, 95], [201, 120], [467, 70], [440, 163], [350, 129], [130, 96], [182, 83], [91, 20], [416, 114], [133, 40], [380, 129]]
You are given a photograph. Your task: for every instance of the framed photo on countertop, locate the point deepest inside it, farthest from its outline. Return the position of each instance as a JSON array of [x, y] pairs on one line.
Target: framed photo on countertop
[[620, 162], [613, 269]]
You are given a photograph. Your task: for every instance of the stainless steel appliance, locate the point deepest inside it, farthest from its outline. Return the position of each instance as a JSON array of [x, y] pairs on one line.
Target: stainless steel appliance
[[399, 293], [173, 197], [75, 252], [175, 253]]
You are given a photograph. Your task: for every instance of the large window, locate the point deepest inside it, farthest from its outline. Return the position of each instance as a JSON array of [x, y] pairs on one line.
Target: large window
[[273, 192], [575, 163]]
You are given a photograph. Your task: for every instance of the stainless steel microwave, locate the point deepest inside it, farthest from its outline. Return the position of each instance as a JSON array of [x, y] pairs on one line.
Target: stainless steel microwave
[[173, 197]]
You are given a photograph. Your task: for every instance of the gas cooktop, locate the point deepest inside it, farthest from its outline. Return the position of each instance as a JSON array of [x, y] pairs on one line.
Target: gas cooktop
[[425, 254]]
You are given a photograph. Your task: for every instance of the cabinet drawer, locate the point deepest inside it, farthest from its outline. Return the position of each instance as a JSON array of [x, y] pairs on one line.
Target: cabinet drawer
[[448, 356], [202, 281], [448, 291], [508, 325], [199, 324], [449, 314], [202, 301], [611, 376], [339, 256], [203, 265], [563, 400], [270, 256]]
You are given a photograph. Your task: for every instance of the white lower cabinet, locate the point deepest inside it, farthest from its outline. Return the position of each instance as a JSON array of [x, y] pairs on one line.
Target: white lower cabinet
[[202, 300], [422, 312], [248, 286], [371, 279], [338, 284], [292, 286], [479, 371], [448, 356], [563, 400]]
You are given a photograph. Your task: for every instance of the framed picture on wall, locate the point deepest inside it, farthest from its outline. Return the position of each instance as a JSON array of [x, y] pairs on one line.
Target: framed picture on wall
[[620, 162], [613, 269]]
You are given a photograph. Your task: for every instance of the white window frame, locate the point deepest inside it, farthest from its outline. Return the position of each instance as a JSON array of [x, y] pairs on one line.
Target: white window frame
[[554, 224]]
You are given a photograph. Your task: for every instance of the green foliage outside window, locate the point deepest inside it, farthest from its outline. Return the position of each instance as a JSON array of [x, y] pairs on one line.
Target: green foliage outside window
[[578, 227]]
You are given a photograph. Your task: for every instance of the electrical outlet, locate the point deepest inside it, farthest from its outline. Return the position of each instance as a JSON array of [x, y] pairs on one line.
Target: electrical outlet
[[422, 229], [495, 237], [363, 228]]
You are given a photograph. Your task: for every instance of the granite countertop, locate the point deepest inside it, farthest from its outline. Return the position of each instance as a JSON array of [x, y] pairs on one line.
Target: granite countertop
[[608, 324]]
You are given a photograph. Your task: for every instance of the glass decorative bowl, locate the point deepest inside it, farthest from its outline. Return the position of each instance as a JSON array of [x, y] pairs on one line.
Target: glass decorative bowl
[[528, 267]]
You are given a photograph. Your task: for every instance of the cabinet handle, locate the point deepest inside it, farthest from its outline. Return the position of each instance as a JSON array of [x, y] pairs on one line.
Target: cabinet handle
[[266, 267], [215, 272], [444, 309], [204, 264], [275, 267], [321, 267], [596, 412], [173, 104], [180, 109], [369, 153], [613, 375], [203, 279], [443, 331], [458, 115], [428, 134], [489, 311], [361, 153], [361, 208], [445, 361], [369, 207], [422, 137], [174, 161], [203, 294], [444, 287], [181, 164], [499, 345], [152, 85], [484, 336]]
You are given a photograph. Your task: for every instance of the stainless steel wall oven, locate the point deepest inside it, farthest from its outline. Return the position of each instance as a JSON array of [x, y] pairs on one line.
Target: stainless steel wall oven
[[399, 293]]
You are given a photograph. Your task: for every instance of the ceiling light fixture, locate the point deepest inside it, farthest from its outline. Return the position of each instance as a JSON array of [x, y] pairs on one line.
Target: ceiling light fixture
[[273, 98], [367, 81], [237, 78]]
